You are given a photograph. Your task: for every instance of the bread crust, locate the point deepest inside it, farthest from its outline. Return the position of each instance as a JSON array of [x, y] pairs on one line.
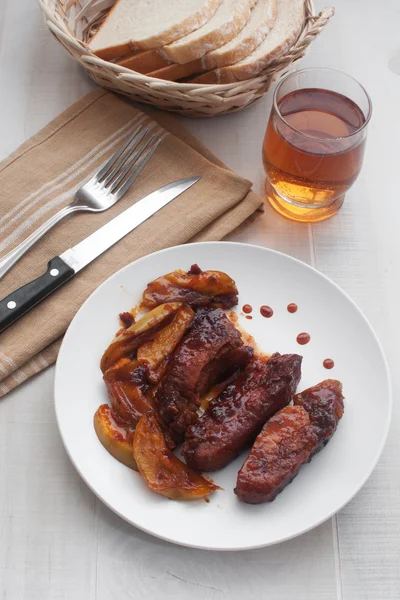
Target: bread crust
[[199, 43], [168, 35], [247, 68]]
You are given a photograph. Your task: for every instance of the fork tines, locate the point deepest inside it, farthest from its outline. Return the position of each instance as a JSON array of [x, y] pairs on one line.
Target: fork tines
[[124, 166]]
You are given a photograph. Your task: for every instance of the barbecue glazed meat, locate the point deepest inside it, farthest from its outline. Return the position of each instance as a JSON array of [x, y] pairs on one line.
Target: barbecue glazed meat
[[196, 287], [233, 420], [127, 341], [286, 442], [195, 365], [128, 388], [324, 404], [225, 366], [162, 471]]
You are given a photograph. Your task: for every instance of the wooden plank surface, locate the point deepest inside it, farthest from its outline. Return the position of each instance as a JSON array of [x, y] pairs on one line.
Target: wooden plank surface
[[56, 540]]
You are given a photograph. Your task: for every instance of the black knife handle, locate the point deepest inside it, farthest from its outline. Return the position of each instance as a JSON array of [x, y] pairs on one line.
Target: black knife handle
[[16, 304]]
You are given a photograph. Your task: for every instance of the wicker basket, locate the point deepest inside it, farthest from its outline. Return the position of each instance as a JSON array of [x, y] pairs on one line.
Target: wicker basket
[[72, 22]]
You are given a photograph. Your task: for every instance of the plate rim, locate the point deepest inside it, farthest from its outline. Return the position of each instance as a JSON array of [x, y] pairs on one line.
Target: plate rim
[[286, 537]]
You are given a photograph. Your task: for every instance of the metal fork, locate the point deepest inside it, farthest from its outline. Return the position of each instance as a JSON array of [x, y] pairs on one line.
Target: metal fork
[[101, 192]]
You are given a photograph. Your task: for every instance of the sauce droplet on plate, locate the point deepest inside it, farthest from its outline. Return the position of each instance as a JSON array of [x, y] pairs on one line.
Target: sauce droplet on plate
[[303, 338], [249, 317], [328, 363], [246, 308], [266, 311], [292, 307]]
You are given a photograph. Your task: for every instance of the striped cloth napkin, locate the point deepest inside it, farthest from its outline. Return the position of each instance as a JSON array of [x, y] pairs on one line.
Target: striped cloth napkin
[[43, 175]]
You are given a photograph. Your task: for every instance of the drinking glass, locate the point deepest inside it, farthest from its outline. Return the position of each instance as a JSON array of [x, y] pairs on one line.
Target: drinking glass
[[314, 143]]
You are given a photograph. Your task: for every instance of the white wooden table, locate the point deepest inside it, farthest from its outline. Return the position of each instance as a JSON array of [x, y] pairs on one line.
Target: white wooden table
[[57, 541]]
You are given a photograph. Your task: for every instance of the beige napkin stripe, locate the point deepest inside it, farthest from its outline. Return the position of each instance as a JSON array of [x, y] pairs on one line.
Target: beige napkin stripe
[[61, 121], [63, 198], [3, 360], [49, 187], [32, 367], [6, 363], [79, 169]]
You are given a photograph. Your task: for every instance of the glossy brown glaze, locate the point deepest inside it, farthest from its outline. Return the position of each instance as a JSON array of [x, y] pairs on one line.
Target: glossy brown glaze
[[196, 287], [115, 434], [194, 270], [163, 472], [127, 341], [127, 319], [303, 338], [210, 349], [127, 387], [266, 311], [286, 442], [292, 307], [246, 308], [324, 403], [156, 352], [233, 420], [328, 363]]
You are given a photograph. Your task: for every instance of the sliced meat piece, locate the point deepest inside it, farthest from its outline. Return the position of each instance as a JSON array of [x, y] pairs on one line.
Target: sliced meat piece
[[233, 420], [286, 442], [196, 287], [189, 371], [223, 367], [324, 404]]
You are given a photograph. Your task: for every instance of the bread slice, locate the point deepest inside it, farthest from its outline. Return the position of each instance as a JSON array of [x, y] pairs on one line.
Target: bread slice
[[146, 61], [255, 31], [129, 54], [229, 19], [252, 35], [173, 72], [287, 28], [146, 24]]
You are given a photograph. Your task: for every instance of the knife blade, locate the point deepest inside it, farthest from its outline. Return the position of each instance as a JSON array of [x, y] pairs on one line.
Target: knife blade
[[62, 268]]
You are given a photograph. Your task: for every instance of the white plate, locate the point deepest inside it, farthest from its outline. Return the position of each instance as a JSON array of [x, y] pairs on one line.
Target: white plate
[[338, 330]]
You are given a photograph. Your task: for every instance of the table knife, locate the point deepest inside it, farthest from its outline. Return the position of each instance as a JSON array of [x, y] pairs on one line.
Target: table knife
[[62, 268]]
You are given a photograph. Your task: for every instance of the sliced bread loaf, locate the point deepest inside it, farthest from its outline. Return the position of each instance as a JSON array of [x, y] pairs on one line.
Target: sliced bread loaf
[[252, 35], [149, 24], [229, 19], [286, 29]]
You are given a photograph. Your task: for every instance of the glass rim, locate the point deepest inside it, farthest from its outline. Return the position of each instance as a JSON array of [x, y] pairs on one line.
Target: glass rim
[[327, 69]]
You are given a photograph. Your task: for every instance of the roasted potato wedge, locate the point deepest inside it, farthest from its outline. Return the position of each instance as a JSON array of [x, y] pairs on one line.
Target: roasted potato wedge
[[155, 352], [197, 288], [163, 472], [131, 338], [128, 389], [115, 435]]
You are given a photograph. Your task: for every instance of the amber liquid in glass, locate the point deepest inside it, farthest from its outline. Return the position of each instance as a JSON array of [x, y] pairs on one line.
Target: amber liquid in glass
[[308, 159]]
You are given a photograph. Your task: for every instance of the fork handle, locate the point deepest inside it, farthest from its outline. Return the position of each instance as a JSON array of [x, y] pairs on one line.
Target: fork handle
[[10, 259]]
